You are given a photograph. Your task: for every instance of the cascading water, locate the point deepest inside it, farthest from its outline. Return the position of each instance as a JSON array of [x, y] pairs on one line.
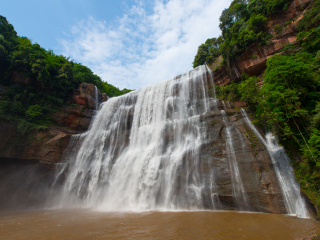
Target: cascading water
[[238, 189], [224, 105], [169, 147], [229, 104], [96, 97], [290, 188], [142, 151]]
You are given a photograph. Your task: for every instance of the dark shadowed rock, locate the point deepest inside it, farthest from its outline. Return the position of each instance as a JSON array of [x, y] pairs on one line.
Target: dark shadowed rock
[[44, 146]]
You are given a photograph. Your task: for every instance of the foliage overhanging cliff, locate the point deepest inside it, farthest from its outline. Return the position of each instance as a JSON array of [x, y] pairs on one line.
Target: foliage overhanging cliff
[[35, 81], [284, 96]]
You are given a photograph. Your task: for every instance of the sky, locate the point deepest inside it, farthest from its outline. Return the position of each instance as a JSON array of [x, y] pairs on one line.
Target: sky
[[128, 43]]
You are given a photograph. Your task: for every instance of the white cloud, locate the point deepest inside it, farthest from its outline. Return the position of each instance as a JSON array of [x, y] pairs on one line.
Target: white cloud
[[144, 48]]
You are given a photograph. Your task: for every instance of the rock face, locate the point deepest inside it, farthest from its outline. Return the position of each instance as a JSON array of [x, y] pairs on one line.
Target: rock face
[[310, 237], [75, 117], [88, 95], [78, 115], [254, 163], [253, 61], [45, 146], [28, 160]]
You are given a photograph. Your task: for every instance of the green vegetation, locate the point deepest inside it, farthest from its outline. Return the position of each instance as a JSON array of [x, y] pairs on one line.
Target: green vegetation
[[288, 102], [242, 24], [38, 81], [207, 52]]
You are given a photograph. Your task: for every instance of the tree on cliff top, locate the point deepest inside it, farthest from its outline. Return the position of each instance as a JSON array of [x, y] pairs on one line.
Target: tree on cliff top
[[207, 52], [41, 78], [242, 24]]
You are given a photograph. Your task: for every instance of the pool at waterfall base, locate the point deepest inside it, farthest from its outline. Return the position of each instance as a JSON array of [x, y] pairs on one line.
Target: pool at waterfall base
[[88, 224]]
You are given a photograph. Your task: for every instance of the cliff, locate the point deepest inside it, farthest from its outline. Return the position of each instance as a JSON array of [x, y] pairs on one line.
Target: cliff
[[47, 144], [253, 60]]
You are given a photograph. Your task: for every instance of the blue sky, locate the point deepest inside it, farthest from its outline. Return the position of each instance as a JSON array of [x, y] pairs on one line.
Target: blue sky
[[130, 44]]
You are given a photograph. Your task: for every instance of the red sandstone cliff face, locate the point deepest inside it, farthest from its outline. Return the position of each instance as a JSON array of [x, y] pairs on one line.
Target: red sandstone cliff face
[[253, 61], [78, 115], [47, 146]]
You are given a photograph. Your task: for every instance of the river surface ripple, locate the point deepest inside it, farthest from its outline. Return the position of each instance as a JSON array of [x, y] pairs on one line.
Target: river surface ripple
[[87, 224]]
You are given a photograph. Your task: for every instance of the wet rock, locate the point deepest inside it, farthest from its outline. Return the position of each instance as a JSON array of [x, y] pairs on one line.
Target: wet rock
[[259, 179], [91, 102]]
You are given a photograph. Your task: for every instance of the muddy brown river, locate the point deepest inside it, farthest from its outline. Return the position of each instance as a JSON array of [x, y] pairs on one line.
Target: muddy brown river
[[86, 224]]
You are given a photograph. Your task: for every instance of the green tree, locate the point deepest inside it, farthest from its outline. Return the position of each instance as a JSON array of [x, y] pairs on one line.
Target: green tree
[[34, 112], [207, 52]]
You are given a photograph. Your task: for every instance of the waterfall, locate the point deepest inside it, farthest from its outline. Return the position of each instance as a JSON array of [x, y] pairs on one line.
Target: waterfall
[[142, 150], [224, 105], [169, 147], [290, 188], [237, 186], [229, 105], [97, 97], [214, 99]]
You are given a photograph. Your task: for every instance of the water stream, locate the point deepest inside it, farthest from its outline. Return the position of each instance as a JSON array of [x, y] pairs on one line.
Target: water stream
[[149, 150], [290, 188], [237, 185], [96, 97], [142, 151]]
